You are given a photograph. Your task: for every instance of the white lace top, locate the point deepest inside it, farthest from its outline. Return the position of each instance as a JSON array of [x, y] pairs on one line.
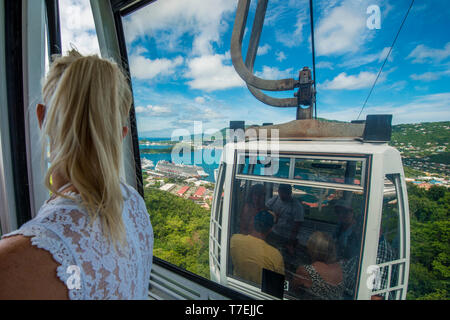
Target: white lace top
[[90, 267]]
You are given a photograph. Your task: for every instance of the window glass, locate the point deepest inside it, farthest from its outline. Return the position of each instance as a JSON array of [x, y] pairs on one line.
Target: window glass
[[186, 92], [264, 166], [328, 170], [77, 27], [285, 228], [216, 224], [389, 247], [320, 170], [390, 223], [186, 89]]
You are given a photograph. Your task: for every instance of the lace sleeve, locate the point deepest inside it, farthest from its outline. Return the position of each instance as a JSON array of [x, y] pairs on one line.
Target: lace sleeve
[[67, 271]]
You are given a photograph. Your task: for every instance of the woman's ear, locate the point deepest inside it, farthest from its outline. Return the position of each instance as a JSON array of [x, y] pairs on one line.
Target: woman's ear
[[124, 131], [40, 112]]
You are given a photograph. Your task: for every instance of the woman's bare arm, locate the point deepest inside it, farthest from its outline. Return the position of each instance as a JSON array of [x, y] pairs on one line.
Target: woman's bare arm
[[301, 278], [27, 272]]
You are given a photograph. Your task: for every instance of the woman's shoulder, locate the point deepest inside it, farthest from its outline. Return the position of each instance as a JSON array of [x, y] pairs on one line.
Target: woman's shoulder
[[322, 267], [135, 207], [57, 214], [27, 271], [130, 193]]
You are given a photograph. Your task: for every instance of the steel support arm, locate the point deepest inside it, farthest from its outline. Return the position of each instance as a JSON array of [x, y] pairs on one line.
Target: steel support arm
[[236, 53], [250, 60]]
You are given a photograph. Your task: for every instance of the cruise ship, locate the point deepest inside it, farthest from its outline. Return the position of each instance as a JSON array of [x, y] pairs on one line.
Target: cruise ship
[[180, 170], [146, 163]]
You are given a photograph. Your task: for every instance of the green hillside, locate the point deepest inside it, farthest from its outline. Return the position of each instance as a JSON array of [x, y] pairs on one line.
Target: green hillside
[[429, 277], [181, 230], [424, 146], [426, 135], [422, 139]]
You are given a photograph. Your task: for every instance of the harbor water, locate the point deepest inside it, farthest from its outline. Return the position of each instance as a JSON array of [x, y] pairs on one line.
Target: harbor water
[[206, 158]]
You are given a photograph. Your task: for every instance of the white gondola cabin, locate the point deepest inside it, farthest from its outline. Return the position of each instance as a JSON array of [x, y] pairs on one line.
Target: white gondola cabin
[[322, 172]]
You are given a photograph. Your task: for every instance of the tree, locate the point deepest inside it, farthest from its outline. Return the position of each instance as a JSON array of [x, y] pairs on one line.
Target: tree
[[181, 230], [429, 276]]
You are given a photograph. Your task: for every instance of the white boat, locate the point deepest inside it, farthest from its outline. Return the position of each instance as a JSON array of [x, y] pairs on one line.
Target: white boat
[[146, 163]]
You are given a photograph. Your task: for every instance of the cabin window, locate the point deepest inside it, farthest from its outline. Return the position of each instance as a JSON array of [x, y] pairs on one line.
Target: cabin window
[[177, 139], [308, 169], [389, 273], [328, 170], [285, 243], [77, 27], [216, 223], [265, 166]]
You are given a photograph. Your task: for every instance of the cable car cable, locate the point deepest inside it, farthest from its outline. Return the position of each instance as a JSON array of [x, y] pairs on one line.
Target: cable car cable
[[313, 52], [387, 57]]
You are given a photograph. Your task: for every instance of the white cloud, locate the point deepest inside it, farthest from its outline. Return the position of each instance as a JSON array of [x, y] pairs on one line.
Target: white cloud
[[351, 82], [77, 27], [430, 76], [368, 58], [262, 50], [293, 39], [324, 65], [427, 108], [138, 50], [200, 100], [399, 85], [190, 113], [210, 114], [145, 69], [273, 73], [167, 21], [284, 12], [427, 76], [210, 73], [154, 111], [280, 56], [424, 54], [342, 30]]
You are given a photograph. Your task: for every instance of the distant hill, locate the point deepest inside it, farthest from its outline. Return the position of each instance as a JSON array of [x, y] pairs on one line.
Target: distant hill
[[425, 138], [424, 146]]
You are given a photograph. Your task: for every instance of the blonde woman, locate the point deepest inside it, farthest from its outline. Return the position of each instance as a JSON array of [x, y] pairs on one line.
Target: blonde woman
[[93, 238], [323, 278]]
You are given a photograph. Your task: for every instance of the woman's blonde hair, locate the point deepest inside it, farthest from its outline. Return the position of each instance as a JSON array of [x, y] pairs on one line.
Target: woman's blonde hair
[[87, 104], [321, 247]]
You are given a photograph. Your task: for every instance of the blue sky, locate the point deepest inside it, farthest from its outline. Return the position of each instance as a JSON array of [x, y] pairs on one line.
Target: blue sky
[[182, 72]]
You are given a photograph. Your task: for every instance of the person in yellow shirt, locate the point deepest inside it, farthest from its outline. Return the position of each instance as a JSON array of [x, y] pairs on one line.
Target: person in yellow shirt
[[251, 253]]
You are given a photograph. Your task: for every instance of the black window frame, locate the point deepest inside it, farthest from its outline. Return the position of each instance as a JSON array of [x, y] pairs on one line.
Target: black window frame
[[53, 27], [16, 108], [14, 69]]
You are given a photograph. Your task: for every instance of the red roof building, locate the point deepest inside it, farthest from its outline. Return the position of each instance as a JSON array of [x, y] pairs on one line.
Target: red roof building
[[182, 190], [200, 192]]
